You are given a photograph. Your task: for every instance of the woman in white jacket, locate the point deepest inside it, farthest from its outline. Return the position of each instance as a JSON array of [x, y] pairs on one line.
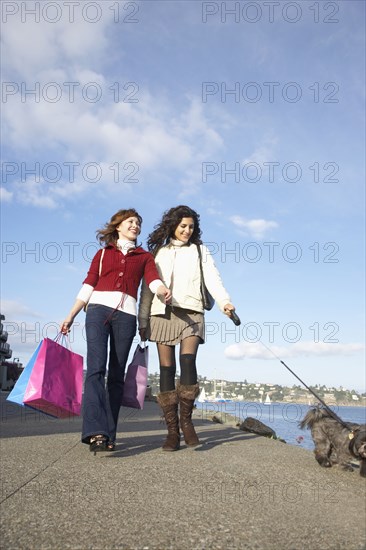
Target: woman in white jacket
[[175, 243]]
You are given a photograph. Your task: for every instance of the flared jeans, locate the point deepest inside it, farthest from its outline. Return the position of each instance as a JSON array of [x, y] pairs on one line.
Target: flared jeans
[[101, 401]]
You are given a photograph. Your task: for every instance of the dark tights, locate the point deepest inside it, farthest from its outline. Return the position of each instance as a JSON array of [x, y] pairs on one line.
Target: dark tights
[[187, 362]]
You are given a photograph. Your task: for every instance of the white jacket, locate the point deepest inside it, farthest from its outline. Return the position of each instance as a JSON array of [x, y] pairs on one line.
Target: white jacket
[[179, 269]]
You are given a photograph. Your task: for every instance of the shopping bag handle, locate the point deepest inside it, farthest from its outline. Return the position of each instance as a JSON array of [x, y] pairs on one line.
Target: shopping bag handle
[[63, 340], [143, 344]]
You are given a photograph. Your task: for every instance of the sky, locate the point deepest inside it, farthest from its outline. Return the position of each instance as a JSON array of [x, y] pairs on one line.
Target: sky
[[252, 113]]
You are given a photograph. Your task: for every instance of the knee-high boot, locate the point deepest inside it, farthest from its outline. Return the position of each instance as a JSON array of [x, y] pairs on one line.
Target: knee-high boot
[[168, 401], [187, 395]]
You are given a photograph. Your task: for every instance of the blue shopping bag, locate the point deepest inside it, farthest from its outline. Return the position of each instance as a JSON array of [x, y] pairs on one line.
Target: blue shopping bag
[[17, 393]]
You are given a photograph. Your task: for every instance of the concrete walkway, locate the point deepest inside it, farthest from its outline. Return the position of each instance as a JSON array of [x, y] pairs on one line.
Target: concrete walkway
[[235, 491]]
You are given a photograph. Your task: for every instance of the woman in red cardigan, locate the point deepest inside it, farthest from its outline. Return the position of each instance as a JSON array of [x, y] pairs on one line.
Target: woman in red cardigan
[[110, 290]]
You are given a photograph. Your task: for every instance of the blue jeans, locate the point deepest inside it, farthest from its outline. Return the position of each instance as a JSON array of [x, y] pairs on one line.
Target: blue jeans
[[101, 402]]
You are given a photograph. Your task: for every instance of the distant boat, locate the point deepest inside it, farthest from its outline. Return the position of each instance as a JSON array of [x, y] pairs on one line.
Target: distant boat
[[220, 399], [202, 396], [268, 400]]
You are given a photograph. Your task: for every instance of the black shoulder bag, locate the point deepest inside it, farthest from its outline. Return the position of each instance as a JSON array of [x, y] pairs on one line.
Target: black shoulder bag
[[207, 299]]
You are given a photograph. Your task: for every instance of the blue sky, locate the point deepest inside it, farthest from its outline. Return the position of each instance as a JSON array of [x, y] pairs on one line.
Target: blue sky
[[254, 118]]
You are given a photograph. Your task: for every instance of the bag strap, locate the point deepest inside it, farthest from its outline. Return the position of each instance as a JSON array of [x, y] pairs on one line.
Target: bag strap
[[200, 259], [63, 340], [101, 262], [100, 272], [142, 346]]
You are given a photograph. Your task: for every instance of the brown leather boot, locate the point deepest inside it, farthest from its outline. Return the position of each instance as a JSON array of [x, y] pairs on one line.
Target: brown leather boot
[[187, 395], [168, 401]]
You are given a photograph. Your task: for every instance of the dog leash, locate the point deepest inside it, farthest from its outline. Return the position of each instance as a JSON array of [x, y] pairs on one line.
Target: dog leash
[[332, 413]]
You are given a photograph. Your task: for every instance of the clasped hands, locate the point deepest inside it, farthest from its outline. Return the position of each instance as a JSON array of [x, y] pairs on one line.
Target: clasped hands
[[164, 293]]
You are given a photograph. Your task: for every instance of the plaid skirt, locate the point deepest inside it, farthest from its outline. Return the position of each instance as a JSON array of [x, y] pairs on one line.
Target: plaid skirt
[[176, 325]]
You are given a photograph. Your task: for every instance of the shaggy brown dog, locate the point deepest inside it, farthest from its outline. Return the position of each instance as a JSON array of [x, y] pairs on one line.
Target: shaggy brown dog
[[334, 443]]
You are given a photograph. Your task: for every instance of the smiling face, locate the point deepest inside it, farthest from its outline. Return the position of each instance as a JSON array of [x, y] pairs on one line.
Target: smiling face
[[129, 229], [184, 230]]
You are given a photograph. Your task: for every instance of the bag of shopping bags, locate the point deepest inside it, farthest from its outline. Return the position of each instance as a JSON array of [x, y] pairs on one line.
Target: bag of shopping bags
[[52, 381], [136, 379]]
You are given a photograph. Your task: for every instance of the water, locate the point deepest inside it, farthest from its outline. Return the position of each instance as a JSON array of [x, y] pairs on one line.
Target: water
[[283, 418]]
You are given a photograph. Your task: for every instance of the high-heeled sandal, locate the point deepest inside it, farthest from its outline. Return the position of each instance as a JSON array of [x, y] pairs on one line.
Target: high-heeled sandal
[[111, 446], [97, 443]]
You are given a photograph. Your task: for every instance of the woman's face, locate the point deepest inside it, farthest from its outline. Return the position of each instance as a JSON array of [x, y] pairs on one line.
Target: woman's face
[[184, 230], [129, 229]]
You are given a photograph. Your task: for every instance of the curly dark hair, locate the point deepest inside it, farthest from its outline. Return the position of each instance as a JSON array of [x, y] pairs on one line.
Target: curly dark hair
[[109, 234], [170, 220]]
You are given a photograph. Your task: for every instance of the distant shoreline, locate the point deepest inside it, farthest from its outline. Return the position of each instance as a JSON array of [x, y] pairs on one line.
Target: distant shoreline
[[297, 402]]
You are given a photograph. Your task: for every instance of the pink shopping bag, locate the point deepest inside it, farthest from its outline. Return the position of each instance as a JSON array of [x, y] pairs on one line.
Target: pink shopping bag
[[136, 379], [55, 384]]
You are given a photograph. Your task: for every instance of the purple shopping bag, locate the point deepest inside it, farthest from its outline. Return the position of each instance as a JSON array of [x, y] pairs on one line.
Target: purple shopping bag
[[56, 380], [136, 379]]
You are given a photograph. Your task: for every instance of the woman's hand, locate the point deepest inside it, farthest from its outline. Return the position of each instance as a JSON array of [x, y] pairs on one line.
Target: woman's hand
[[66, 325], [164, 293], [76, 308], [228, 309], [142, 333]]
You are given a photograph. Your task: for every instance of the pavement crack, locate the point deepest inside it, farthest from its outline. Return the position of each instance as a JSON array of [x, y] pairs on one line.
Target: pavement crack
[[37, 474]]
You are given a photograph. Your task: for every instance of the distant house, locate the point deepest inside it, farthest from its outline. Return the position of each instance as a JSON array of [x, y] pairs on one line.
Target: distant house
[[329, 396]]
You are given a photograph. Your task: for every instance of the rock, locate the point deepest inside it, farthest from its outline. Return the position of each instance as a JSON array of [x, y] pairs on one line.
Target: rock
[[254, 426]]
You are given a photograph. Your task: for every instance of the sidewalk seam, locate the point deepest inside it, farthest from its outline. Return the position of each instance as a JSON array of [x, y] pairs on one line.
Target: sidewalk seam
[[38, 474]]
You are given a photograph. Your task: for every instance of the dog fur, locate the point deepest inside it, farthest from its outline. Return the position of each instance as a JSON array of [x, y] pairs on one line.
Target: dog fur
[[334, 443]]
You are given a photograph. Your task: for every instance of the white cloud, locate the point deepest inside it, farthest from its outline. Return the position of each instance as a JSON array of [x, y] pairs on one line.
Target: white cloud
[[34, 194], [265, 152], [257, 350], [25, 327], [154, 132], [29, 46], [5, 195], [14, 310], [147, 133], [255, 228]]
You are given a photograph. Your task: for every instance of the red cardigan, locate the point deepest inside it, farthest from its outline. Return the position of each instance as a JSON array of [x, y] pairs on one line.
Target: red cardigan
[[121, 272]]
